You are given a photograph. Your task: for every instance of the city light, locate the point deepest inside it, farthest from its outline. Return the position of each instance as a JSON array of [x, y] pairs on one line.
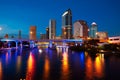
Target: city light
[[31, 32], [1, 72], [40, 50], [46, 71], [30, 67], [80, 52]]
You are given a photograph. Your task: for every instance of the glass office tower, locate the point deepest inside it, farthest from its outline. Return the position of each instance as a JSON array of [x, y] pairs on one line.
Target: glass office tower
[[67, 25], [52, 29], [93, 30]]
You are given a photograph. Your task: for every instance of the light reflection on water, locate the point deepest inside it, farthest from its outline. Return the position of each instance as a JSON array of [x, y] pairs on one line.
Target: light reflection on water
[[46, 69], [30, 67], [18, 63], [8, 56], [0, 70], [95, 68], [99, 66], [89, 68], [65, 64]]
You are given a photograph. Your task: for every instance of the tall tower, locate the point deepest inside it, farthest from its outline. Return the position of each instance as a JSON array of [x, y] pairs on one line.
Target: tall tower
[[52, 29], [19, 34], [80, 29], [67, 24], [47, 33], [93, 30], [32, 34]]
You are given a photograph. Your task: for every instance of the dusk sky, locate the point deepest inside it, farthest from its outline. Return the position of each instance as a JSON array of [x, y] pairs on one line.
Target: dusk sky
[[21, 14]]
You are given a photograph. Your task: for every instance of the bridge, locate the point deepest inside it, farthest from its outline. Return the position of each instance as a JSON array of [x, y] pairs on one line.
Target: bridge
[[49, 42]]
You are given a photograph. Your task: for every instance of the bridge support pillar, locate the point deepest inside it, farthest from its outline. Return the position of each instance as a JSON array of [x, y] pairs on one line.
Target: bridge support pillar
[[21, 44], [50, 44], [64, 43], [9, 44]]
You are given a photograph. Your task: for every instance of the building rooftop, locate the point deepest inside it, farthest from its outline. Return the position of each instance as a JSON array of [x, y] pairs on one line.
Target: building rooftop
[[93, 23]]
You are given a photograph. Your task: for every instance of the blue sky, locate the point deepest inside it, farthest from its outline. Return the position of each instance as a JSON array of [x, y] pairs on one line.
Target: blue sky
[[21, 14]]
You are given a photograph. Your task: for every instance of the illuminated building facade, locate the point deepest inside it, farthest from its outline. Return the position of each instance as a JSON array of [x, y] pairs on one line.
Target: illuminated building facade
[[67, 24], [80, 29], [52, 29], [32, 34], [93, 30], [102, 36], [114, 40]]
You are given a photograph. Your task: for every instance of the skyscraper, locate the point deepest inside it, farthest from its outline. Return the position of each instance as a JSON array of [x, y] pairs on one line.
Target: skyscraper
[[52, 29], [32, 34], [47, 33], [93, 30], [80, 29], [67, 24]]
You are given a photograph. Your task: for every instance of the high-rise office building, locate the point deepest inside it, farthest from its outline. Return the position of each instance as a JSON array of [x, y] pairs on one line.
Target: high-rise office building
[[47, 33], [93, 30], [80, 29], [19, 34], [32, 34], [67, 24], [52, 29]]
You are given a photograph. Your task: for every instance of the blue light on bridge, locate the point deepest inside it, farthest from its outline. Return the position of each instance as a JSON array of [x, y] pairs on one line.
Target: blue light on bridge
[[50, 44], [8, 40], [74, 40]]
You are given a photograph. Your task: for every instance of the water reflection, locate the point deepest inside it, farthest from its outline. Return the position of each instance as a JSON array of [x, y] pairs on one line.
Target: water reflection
[[89, 68], [99, 65], [46, 68], [18, 64], [0, 70], [94, 68], [82, 59], [8, 56], [65, 66], [57, 65], [30, 67]]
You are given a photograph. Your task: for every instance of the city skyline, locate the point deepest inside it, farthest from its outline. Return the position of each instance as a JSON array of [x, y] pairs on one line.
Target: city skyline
[[20, 15]]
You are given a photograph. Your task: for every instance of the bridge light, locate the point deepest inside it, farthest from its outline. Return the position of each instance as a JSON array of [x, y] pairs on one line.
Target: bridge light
[[40, 50], [76, 44], [80, 44]]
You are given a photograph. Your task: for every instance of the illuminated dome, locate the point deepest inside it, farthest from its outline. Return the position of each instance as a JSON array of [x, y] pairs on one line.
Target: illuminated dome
[[93, 23]]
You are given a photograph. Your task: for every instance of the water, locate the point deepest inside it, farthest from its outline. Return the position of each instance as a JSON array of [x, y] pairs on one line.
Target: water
[[60, 64]]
